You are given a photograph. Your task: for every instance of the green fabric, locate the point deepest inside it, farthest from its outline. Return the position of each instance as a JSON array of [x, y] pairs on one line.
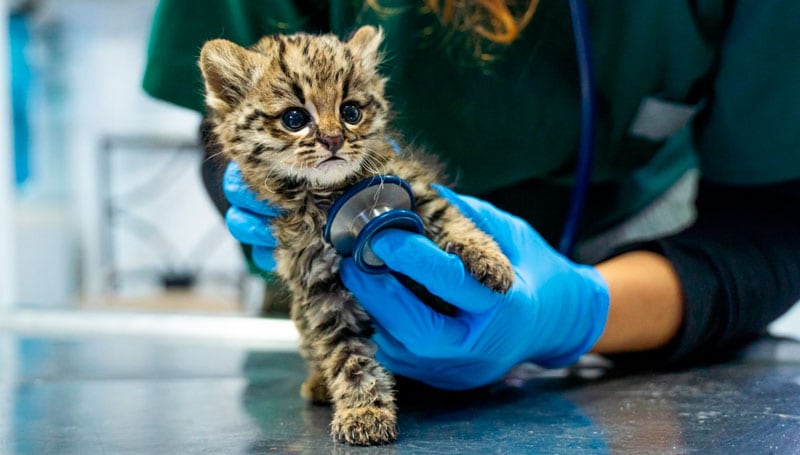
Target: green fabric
[[516, 120], [752, 135]]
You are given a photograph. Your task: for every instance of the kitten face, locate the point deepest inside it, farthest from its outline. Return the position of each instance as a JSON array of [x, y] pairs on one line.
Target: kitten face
[[301, 107]]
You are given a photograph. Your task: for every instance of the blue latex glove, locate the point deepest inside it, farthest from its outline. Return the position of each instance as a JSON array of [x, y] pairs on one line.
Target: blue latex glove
[[248, 218], [555, 311]]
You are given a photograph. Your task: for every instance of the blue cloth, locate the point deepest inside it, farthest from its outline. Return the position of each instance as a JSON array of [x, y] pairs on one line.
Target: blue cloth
[[21, 77]]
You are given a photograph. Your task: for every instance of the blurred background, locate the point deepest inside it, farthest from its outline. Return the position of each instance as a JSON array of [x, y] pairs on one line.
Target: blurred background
[[101, 202], [102, 208]]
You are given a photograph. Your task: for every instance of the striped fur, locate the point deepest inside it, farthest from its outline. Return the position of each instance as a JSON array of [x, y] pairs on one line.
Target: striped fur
[[247, 92]]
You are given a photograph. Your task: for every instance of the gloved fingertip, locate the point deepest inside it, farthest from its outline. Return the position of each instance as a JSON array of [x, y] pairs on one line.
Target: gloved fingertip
[[232, 221], [249, 228], [264, 258], [402, 250], [444, 191], [462, 203], [346, 270], [239, 194], [388, 241], [353, 278], [386, 362], [232, 179], [361, 283], [232, 168]]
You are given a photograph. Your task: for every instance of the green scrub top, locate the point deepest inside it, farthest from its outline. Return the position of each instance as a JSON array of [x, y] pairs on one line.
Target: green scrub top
[[509, 129]]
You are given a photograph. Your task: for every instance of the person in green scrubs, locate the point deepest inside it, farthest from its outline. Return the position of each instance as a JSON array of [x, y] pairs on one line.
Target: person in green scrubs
[[685, 88]]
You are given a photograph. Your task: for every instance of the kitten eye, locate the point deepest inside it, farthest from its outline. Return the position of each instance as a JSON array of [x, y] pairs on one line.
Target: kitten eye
[[351, 113], [295, 119]]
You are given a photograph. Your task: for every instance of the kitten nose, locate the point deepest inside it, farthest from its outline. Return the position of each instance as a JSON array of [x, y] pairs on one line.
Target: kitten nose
[[332, 143]]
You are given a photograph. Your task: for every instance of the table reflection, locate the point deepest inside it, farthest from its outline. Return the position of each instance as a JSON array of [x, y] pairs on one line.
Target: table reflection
[[107, 395]]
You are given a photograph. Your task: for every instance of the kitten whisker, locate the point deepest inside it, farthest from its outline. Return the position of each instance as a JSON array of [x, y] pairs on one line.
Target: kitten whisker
[[372, 164], [215, 155], [273, 169]]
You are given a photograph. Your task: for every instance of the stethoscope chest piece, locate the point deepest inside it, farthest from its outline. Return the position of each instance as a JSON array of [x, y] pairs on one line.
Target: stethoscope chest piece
[[370, 206]]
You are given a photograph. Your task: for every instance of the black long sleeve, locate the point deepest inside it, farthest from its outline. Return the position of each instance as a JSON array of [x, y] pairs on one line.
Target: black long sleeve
[[213, 168], [739, 266]]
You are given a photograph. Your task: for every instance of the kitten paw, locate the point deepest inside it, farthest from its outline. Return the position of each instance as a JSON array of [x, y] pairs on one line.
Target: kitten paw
[[365, 426], [315, 390], [488, 266]]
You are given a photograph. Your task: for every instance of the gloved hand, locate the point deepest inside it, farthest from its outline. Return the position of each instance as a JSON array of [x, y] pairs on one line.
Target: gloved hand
[[555, 311], [248, 219]]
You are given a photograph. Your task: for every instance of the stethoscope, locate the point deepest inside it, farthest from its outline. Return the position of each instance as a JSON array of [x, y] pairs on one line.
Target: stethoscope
[[385, 201]]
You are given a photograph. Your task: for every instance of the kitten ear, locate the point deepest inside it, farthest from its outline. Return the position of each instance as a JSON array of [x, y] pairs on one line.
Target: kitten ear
[[365, 43], [229, 71]]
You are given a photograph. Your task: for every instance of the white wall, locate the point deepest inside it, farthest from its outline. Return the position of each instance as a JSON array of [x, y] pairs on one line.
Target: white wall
[[94, 72], [789, 324], [106, 44], [7, 280]]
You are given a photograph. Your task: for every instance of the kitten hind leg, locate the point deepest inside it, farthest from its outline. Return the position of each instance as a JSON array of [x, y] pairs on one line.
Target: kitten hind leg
[[314, 388]]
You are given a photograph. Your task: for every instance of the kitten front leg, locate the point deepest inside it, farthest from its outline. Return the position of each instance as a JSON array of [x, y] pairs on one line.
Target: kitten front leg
[[361, 390], [315, 387], [455, 233]]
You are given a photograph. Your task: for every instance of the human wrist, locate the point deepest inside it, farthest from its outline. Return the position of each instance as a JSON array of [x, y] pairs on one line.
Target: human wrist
[[646, 303]]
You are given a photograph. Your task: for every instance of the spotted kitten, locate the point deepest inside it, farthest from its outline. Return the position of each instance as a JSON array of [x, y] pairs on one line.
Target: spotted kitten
[[305, 117]]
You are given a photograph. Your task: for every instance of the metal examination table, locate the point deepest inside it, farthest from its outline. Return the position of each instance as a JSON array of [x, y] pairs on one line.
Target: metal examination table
[[105, 395]]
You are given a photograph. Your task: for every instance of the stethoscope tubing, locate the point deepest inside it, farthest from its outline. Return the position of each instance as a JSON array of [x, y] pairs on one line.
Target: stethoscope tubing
[[583, 172], [585, 156]]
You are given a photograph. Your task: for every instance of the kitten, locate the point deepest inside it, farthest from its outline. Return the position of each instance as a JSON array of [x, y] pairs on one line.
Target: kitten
[[305, 117]]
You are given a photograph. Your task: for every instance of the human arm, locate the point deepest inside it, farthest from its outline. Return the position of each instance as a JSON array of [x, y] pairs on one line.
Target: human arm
[[735, 266], [678, 300], [739, 265], [650, 287], [646, 303], [739, 270], [553, 313]]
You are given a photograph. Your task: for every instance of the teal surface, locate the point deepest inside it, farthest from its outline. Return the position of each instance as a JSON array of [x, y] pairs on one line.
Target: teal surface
[[104, 396]]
